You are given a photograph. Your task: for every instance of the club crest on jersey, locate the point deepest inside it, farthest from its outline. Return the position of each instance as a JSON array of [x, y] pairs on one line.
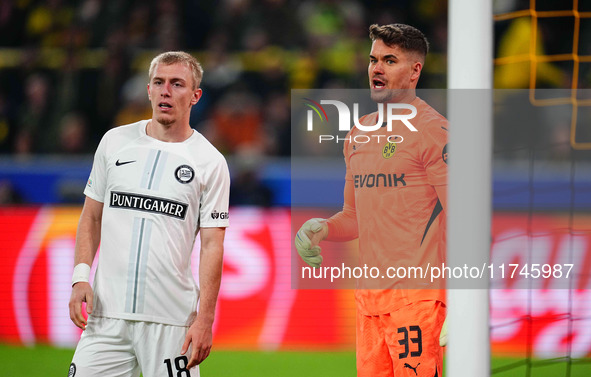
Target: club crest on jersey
[[184, 174], [444, 154], [388, 150]]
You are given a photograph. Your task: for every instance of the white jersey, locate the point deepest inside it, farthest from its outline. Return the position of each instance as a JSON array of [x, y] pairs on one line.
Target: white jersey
[[156, 196]]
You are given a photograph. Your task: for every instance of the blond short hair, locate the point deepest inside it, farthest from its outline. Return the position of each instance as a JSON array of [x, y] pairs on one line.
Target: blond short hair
[[174, 57]]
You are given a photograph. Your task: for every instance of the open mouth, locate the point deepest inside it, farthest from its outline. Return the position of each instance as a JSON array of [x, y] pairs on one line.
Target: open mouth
[[378, 84], [164, 106]]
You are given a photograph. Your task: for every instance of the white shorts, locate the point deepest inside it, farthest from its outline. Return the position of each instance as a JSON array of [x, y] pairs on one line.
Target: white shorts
[[120, 348]]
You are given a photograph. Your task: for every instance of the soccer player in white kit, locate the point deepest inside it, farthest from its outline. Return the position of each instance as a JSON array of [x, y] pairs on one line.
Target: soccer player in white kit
[[154, 186]]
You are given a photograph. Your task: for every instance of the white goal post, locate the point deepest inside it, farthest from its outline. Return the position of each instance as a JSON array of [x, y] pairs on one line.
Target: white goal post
[[470, 62]]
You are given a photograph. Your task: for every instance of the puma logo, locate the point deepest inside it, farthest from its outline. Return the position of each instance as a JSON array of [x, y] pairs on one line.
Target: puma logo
[[414, 369]]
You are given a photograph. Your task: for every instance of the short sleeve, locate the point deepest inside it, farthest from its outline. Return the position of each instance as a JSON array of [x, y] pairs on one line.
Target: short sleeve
[[97, 181], [215, 197]]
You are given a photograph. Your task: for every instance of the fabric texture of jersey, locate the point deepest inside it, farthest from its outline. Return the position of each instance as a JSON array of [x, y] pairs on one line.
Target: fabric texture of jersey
[[390, 192], [156, 196]]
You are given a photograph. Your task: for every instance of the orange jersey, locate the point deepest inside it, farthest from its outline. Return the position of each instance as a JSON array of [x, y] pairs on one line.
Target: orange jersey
[[395, 192]]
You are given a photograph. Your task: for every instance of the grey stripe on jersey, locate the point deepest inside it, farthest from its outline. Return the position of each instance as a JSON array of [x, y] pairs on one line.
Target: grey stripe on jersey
[[142, 268], [137, 265], [149, 168], [142, 229], [153, 172], [136, 233], [160, 164]]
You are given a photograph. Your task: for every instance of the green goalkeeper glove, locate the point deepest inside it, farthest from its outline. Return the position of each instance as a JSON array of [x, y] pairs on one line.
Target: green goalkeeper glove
[[307, 239], [443, 334]]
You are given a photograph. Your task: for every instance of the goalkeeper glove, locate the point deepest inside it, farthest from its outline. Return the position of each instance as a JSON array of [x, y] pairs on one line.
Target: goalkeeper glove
[[307, 238], [443, 334]]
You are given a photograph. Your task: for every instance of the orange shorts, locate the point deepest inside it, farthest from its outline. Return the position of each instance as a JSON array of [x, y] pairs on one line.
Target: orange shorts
[[404, 343]]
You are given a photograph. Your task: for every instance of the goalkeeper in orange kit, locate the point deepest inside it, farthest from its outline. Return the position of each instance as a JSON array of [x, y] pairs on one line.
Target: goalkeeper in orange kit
[[399, 218]]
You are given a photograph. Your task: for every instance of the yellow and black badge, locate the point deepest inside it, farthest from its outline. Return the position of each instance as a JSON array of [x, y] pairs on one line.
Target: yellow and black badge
[[389, 149]]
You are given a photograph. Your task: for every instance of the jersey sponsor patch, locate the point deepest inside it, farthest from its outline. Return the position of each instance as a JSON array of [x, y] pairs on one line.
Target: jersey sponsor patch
[[148, 204], [219, 215], [184, 174], [378, 180]]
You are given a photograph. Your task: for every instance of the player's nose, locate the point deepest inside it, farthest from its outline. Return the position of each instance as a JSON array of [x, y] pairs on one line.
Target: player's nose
[[165, 90], [378, 68]]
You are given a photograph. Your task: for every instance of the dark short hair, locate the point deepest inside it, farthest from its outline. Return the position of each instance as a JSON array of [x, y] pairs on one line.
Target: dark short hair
[[404, 36]]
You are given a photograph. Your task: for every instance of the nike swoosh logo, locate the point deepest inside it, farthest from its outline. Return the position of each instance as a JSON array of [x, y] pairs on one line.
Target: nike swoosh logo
[[118, 163]]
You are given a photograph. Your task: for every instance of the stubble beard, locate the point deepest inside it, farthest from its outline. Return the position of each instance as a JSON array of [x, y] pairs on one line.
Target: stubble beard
[[166, 121], [386, 95]]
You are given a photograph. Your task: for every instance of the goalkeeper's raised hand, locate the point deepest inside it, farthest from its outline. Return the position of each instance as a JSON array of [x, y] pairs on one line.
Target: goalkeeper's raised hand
[[307, 239]]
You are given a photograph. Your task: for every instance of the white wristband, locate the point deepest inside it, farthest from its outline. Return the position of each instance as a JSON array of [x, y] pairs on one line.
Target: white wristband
[[81, 273]]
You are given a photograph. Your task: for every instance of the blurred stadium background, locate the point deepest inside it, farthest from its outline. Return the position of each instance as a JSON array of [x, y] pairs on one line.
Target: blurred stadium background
[[71, 70]]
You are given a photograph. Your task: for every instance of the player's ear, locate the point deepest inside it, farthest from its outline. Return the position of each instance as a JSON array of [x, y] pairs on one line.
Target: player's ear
[[149, 94], [417, 67], [196, 96]]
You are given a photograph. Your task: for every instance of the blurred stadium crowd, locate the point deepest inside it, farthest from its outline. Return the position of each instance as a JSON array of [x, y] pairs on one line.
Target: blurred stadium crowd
[[70, 70]]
